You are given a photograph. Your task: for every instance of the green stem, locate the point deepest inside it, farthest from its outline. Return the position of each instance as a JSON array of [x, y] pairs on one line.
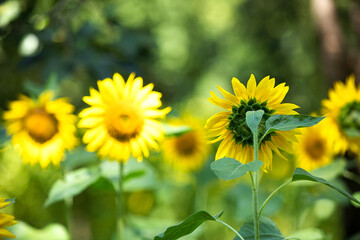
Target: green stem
[[255, 184], [232, 229], [119, 195], [68, 208], [270, 196]]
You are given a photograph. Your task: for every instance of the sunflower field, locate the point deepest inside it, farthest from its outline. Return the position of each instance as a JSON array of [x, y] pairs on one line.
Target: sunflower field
[[169, 119]]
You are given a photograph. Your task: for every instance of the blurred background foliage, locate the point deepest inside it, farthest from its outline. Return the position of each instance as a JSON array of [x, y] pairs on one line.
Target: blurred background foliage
[[185, 48]]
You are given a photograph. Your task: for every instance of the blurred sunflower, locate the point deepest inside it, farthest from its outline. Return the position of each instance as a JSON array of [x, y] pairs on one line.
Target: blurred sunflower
[[140, 202], [42, 130], [188, 151], [343, 116], [6, 220], [122, 118], [313, 149], [230, 125]]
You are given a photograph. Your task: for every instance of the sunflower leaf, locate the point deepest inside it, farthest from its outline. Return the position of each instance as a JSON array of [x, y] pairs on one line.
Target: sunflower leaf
[[73, 184], [267, 230], [301, 174], [253, 119], [289, 122], [175, 130], [230, 168], [187, 226]]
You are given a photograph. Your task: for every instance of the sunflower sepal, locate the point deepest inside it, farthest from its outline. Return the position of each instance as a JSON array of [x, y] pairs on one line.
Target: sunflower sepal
[[230, 168], [7, 202], [288, 122]]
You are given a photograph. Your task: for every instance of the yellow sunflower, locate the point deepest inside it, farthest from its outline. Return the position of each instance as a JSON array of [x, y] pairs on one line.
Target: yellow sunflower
[[122, 119], [313, 150], [230, 126], [343, 116], [6, 220], [188, 151], [42, 130]]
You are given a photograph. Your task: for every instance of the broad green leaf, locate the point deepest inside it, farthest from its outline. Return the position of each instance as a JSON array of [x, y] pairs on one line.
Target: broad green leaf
[[307, 234], [175, 130], [79, 157], [187, 226], [54, 231], [290, 122], [137, 175], [229, 168], [74, 183], [253, 119], [301, 174], [267, 229]]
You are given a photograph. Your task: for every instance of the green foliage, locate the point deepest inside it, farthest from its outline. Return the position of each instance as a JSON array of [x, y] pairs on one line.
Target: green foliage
[[79, 157], [301, 174], [229, 168], [332, 170], [73, 184], [137, 175], [267, 229], [24, 231], [289, 122], [307, 234], [253, 119], [187, 226], [173, 131]]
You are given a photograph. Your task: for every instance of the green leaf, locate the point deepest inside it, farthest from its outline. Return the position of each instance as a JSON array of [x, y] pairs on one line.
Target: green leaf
[[301, 174], [307, 234], [229, 168], [289, 122], [357, 196], [253, 119], [79, 157], [175, 130], [54, 231], [187, 226], [74, 183], [137, 175], [267, 230]]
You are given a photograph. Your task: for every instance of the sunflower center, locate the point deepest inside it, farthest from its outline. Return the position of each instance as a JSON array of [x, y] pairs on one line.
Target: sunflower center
[[41, 125], [186, 144], [315, 148], [124, 122], [237, 121], [349, 119]]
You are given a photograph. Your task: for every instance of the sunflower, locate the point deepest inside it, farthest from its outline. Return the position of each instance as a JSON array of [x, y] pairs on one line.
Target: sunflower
[[122, 119], [42, 129], [6, 220], [343, 116], [313, 149], [188, 151], [230, 127]]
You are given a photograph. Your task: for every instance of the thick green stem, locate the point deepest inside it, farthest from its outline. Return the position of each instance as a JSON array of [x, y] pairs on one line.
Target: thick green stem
[[272, 194], [255, 188], [119, 195]]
